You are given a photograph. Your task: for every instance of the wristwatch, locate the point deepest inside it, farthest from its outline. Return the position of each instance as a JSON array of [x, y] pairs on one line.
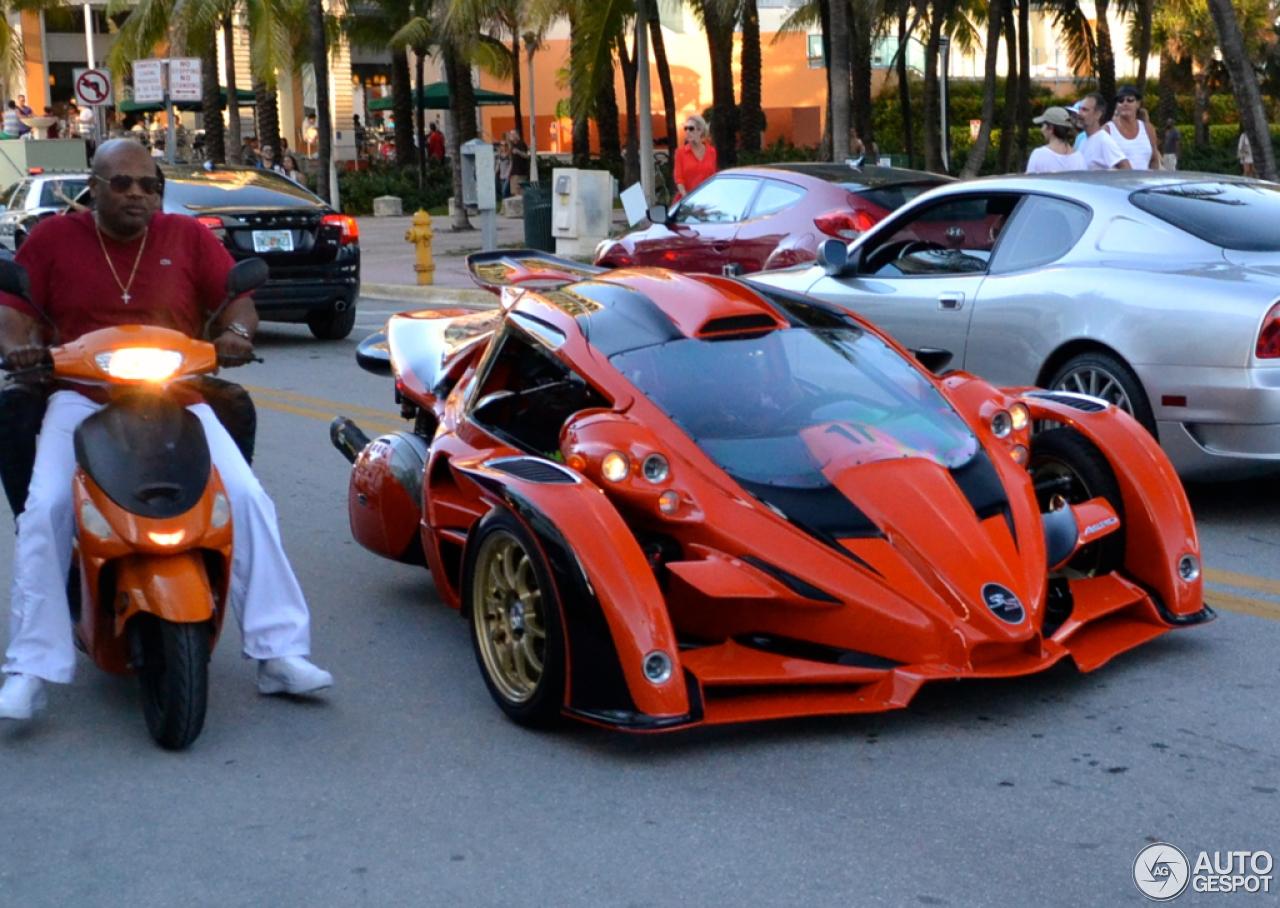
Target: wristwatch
[[237, 328]]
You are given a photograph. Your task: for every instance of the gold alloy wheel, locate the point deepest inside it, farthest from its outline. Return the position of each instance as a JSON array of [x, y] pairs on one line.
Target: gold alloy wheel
[[509, 622]]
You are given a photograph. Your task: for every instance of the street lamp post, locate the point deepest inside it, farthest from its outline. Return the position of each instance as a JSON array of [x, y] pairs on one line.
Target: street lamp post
[[530, 45], [944, 50]]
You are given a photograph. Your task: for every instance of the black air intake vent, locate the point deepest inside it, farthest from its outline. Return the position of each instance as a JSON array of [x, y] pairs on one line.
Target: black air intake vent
[[1081, 402], [738, 324], [532, 469]]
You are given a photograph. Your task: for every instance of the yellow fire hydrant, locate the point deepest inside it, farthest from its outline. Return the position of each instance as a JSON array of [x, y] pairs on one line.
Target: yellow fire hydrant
[[420, 234]]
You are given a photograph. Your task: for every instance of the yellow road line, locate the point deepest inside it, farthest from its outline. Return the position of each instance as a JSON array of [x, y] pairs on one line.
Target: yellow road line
[[319, 402], [1245, 605], [378, 425], [1243, 581]]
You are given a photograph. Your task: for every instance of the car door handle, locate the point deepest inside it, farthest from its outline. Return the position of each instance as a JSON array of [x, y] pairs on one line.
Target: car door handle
[[951, 301]]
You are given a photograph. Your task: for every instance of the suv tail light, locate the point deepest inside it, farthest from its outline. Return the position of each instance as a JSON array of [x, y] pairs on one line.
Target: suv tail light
[[208, 220], [844, 224], [1269, 336], [346, 224]]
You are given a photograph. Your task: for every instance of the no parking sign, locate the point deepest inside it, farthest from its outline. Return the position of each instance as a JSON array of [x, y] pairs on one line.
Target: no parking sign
[[92, 86]]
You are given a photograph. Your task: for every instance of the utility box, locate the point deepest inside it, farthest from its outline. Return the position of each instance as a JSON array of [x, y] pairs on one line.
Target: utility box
[[479, 189], [581, 209]]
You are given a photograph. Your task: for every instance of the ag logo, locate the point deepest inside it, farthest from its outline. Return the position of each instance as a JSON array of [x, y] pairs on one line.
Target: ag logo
[[1003, 603], [1161, 872]]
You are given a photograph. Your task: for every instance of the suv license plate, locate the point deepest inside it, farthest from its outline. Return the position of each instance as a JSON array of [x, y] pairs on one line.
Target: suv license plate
[[273, 241]]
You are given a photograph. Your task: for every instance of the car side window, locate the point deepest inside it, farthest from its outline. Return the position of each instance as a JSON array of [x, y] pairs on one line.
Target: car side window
[[718, 201], [528, 394], [20, 194], [7, 195], [953, 236], [60, 193], [775, 196], [1043, 230]]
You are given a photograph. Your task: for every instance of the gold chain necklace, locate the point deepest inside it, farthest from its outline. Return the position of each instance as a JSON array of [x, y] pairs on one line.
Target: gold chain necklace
[[124, 288]]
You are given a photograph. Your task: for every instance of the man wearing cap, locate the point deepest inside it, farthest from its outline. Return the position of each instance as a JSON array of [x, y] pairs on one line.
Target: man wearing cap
[[1099, 149], [1057, 153], [1135, 137]]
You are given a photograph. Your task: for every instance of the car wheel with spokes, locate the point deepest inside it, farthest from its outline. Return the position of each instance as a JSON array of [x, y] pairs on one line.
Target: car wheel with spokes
[[515, 621], [1065, 466], [1101, 375]]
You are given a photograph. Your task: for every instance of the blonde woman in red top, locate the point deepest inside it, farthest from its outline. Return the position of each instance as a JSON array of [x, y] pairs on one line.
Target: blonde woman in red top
[[695, 159]]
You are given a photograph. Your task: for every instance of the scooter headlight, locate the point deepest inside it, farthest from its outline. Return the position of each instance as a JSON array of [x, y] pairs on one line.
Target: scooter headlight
[[92, 521], [139, 363], [221, 511]]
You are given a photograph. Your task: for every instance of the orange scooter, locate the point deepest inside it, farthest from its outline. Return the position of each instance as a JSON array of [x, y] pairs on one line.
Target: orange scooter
[[151, 572]]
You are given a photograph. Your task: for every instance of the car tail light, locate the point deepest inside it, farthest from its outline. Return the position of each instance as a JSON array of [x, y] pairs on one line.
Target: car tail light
[[844, 224], [1269, 336], [346, 224], [35, 171], [213, 223]]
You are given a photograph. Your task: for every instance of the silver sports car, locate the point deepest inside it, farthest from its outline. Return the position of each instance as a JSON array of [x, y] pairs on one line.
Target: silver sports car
[[1159, 292]]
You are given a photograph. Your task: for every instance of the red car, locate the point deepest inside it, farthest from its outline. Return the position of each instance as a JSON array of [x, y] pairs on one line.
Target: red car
[[775, 216]]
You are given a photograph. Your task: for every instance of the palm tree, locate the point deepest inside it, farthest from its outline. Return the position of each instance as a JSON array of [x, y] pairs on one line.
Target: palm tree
[[750, 113], [1244, 83], [978, 153], [372, 25], [838, 78], [718, 21]]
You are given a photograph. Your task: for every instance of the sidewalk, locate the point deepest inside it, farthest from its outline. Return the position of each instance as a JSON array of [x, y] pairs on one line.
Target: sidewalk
[[386, 260]]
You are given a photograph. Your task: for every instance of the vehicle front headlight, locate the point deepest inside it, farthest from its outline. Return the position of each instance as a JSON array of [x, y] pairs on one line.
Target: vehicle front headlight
[[139, 363]]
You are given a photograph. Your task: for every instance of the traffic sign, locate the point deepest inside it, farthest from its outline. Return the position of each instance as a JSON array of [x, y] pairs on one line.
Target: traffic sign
[[148, 81], [92, 86], [184, 79]]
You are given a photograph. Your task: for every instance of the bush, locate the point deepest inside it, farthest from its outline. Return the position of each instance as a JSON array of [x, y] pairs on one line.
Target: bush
[[779, 152], [358, 188]]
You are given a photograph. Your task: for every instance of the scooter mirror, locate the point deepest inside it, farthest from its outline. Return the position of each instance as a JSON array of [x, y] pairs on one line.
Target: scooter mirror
[[14, 279], [246, 275]]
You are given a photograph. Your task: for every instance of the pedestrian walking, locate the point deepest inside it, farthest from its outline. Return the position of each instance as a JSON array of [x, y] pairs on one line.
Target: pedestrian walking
[[1172, 145], [1099, 148], [1245, 153], [519, 161], [1057, 153], [695, 159], [1135, 137]]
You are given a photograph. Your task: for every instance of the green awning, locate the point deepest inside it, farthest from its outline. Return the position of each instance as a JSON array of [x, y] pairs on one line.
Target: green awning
[[245, 97], [436, 97]]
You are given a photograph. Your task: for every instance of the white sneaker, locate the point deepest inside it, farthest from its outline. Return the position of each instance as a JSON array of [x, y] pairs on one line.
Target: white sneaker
[[291, 675], [22, 697]]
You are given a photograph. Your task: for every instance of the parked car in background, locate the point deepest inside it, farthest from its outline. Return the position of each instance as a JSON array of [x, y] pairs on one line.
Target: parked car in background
[[34, 197], [313, 252], [1156, 292], [772, 216]]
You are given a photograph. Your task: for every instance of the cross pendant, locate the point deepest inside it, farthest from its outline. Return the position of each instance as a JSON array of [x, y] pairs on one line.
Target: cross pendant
[[125, 297]]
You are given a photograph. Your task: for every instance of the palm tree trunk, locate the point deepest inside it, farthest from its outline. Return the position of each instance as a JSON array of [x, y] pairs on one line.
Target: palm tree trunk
[[904, 83], [518, 106], [462, 105], [215, 149], [1008, 117], [267, 115], [1168, 88], [664, 74], [824, 17], [1024, 82], [978, 153], [402, 105], [838, 67], [631, 153], [1201, 79], [1244, 84], [751, 115], [1145, 13], [419, 126], [581, 120], [234, 140], [1106, 55], [860, 71], [724, 118], [324, 118], [932, 95], [607, 118]]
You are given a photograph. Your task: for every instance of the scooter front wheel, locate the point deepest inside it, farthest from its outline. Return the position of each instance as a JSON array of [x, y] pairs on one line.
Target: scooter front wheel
[[174, 677]]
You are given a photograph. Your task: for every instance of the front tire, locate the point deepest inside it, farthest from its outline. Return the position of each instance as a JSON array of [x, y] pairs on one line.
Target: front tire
[[330, 324], [1102, 375], [174, 680], [1065, 463], [515, 621]]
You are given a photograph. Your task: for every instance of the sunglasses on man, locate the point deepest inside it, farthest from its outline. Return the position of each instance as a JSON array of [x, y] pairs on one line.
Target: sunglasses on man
[[121, 183]]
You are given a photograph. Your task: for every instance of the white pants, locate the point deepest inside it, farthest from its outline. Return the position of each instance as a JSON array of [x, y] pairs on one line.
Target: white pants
[[265, 595]]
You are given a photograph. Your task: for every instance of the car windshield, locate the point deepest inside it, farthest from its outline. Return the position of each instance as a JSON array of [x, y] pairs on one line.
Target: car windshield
[[1243, 216], [793, 408]]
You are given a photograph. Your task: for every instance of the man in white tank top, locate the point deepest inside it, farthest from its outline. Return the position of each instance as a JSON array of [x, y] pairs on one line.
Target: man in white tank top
[[1133, 135], [1099, 149]]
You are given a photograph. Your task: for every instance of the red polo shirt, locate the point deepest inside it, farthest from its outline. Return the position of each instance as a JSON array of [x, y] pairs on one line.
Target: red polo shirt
[[181, 275]]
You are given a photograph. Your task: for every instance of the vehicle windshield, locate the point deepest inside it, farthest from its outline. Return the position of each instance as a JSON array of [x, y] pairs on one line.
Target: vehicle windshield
[[794, 408], [1243, 216]]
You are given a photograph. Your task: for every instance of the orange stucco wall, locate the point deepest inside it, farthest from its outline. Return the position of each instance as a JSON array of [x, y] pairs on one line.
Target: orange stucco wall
[[37, 91]]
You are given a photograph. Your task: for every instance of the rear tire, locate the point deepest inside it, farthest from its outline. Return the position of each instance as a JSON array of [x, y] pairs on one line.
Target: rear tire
[[1064, 462], [1102, 375], [330, 324], [174, 680]]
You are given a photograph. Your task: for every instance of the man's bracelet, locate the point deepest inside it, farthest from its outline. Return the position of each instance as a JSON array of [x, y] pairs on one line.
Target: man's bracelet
[[241, 330]]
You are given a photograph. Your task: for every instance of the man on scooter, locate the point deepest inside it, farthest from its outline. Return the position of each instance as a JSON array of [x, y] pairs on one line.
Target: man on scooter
[[127, 263]]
